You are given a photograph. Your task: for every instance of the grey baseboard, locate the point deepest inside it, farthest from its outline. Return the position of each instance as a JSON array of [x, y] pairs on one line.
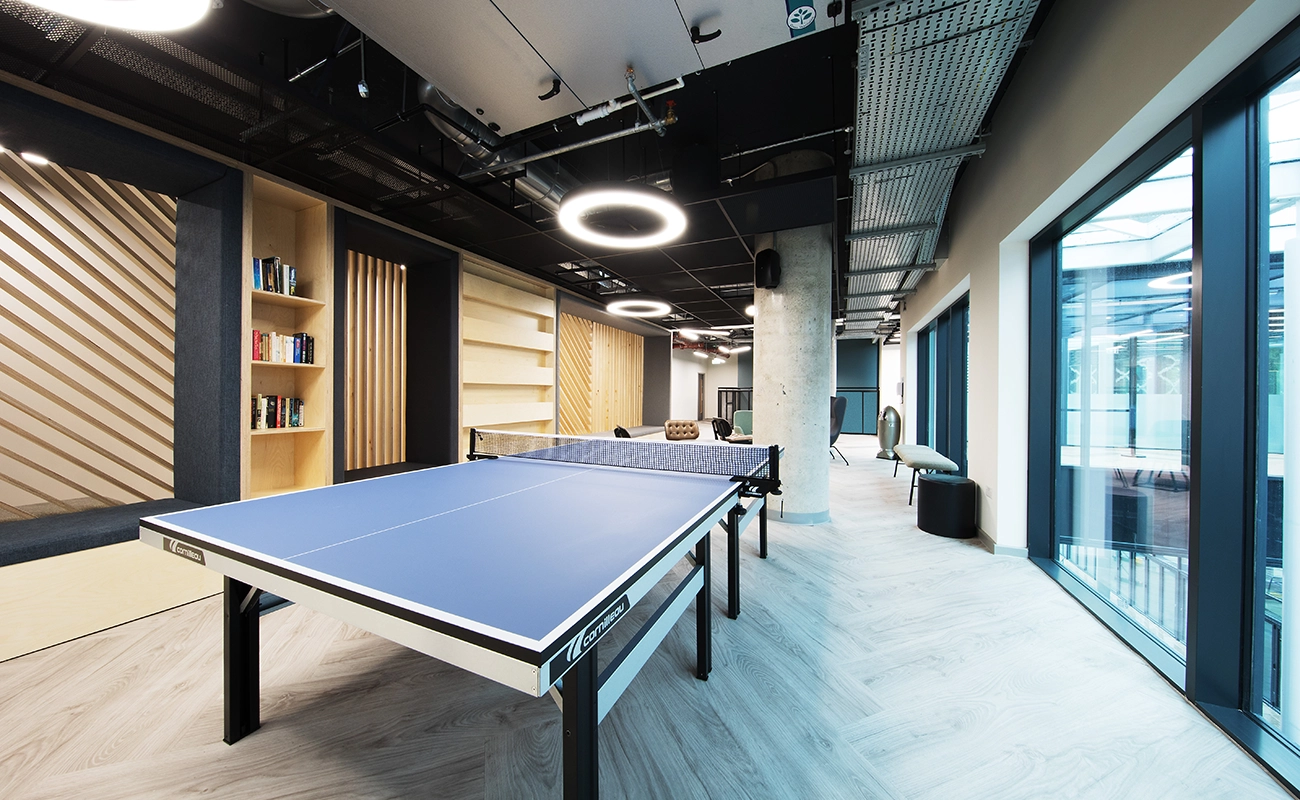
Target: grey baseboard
[[1001, 549]]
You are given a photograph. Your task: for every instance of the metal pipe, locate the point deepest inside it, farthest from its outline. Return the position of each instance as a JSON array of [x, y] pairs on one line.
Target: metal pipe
[[655, 122], [925, 158], [609, 137], [618, 104], [347, 48], [927, 267], [752, 150], [880, 233]]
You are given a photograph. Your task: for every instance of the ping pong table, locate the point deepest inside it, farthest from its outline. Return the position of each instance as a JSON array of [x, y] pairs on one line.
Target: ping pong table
[[513, 565]]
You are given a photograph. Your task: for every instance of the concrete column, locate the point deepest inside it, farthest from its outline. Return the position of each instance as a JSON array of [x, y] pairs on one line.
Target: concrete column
[[792, 371]]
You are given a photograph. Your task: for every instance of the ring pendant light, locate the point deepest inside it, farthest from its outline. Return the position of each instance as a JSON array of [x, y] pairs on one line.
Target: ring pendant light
[[639, 307], [580, 202], [135, 15]]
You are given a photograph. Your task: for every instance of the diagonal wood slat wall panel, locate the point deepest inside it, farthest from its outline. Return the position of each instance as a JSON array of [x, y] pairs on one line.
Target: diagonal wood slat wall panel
[[575, 375], [87, 328], [507, 363], [376, 362], [601, 376]]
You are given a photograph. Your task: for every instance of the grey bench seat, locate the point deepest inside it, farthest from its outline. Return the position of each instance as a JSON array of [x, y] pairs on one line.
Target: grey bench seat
[[30, 539], [919, 457]]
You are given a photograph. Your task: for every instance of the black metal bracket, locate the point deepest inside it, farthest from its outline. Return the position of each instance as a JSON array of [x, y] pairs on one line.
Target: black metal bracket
[[555, 89], [701, 38]]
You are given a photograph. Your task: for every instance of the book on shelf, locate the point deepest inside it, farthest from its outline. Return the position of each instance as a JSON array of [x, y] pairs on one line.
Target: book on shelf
[[277, 411], [273, 275], [299, 348]]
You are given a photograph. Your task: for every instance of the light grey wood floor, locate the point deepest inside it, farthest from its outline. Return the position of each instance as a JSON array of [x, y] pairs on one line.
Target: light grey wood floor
[[871, 660]]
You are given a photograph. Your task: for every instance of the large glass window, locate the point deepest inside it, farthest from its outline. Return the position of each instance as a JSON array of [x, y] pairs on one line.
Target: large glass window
[[1123, 402], [943, 363], [1276, 684]]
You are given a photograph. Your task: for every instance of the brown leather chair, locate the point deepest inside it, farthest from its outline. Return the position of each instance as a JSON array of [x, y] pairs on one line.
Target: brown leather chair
[[678, 429]]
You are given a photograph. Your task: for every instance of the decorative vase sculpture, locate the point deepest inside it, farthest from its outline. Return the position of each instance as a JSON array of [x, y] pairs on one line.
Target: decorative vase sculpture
[[888, 431]]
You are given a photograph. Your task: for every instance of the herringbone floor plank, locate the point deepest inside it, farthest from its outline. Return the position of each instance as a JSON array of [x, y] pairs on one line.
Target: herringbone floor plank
[[870, 661]]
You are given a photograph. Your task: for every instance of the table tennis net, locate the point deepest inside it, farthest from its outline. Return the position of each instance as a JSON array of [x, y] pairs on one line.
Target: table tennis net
[[732, 460]]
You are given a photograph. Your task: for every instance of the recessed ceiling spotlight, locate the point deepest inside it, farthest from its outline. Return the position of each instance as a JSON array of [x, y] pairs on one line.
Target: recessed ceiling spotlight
[[701, 354], [751, 310], [135, 15], [744, 348], [594, 197], [639, 307], [33, 158]]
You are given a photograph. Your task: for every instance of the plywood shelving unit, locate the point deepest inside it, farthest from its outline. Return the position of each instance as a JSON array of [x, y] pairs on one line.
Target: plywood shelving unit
[[298, 228]]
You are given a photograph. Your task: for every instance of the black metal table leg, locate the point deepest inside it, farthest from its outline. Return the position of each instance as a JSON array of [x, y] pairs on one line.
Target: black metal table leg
[[581, 734], [704, 614], [733, 562], [241, 662], [762, 529]]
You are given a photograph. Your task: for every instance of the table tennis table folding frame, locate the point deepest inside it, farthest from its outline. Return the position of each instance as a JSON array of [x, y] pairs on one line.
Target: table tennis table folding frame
[[567, 661]]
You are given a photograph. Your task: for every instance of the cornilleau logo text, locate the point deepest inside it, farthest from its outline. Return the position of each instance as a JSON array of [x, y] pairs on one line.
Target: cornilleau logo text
[[183, 550], [597, 629]]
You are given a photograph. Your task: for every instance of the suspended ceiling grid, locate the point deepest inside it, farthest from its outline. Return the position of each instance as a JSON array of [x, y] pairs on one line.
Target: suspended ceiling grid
[[928, 71]]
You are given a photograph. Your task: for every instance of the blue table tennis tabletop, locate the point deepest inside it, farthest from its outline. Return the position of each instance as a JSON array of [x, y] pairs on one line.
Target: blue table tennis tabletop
[[509, 546]]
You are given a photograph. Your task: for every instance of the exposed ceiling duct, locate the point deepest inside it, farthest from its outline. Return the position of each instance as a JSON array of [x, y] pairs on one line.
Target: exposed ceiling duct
[[543, 183], [928, 72], [302, 9]]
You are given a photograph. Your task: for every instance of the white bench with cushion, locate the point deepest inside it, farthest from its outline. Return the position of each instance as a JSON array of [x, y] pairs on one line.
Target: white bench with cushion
[[919, 457]]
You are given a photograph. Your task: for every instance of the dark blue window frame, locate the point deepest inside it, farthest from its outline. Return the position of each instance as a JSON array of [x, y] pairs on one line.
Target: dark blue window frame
[[1226, 456]]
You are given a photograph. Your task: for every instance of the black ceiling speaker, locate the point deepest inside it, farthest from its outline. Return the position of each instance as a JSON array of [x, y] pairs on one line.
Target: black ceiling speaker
[[767, 269]]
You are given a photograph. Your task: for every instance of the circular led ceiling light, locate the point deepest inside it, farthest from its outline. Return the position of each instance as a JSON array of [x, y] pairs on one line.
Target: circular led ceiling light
[[595, 198], [639, 307], [135, 15], [1173, 283]]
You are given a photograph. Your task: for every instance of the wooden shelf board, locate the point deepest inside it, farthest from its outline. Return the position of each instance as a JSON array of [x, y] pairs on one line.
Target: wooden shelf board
[[289, 364], [270, 431], [290, 300], [278, 490]]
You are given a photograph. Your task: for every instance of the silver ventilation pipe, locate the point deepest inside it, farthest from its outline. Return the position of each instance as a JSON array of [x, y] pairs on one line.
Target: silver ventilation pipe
[[543, 182], [302, 9]]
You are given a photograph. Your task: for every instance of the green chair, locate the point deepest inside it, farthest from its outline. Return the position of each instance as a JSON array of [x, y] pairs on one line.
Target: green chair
[[743, 422]]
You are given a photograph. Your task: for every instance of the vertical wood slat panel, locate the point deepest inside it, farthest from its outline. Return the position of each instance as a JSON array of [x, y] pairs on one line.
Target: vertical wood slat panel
[[87, 306], [376, 367]]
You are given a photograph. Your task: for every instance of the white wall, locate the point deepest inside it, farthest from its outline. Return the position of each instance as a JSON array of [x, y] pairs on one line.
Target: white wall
[[891, 374], [685, 388], [1102, 78], [716, 375]]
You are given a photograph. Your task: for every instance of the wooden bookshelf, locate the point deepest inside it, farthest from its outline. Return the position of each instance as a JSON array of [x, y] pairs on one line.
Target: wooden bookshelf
[[297, 227]]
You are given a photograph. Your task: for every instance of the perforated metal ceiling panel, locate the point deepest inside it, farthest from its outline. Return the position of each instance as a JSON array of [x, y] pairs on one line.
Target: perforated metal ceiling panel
[[928, 71]]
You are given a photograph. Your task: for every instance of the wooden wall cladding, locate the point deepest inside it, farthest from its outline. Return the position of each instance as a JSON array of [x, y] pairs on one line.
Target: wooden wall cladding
[[87, 327], [602, 373], [507, 351], [376, 362], [575, 375]]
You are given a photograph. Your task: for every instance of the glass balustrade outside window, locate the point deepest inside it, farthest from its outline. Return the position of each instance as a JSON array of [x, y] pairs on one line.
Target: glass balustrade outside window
[[1123, 408]]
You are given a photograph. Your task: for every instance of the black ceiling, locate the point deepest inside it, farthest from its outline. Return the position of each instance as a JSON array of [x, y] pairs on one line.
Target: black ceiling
[[225, 85]]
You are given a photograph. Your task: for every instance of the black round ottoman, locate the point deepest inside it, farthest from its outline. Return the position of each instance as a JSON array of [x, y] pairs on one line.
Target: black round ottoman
[[945, 505]]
